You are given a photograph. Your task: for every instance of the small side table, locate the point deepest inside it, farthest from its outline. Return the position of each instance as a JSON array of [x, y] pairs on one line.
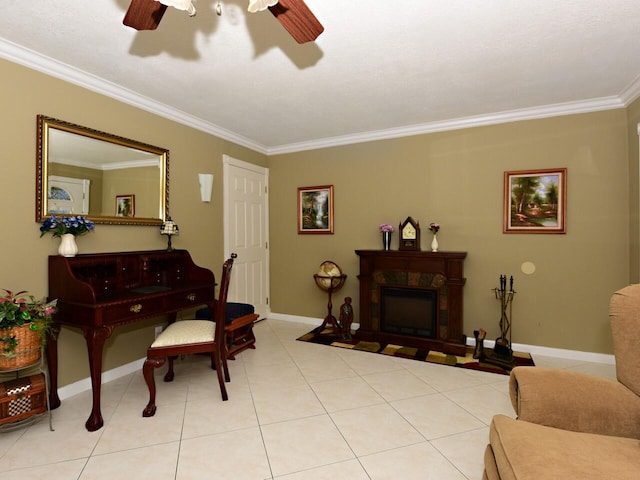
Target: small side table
[[21, 405]]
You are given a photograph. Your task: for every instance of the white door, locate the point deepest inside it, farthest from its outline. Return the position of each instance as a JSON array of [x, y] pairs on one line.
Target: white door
[[68, 195], [246, 232]]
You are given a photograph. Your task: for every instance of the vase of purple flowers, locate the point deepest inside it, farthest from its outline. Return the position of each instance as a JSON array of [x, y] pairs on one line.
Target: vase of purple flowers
[[386, 230]]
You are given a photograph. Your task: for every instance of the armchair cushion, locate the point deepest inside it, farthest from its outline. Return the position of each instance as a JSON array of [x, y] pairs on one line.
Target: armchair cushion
[[574, 401], [525, 450]]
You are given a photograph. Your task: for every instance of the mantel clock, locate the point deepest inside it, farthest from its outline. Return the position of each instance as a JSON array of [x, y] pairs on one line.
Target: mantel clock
[[409, 235]]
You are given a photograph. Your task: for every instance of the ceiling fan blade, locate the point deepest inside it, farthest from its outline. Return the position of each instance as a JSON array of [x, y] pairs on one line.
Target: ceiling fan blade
[[144, 14], [298, 20]]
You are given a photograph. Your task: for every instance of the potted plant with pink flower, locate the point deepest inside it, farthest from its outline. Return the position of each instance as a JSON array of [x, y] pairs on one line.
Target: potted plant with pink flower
[[24, 325]]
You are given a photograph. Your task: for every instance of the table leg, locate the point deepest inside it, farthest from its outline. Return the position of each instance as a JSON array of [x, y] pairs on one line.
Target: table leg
[[95, 338]]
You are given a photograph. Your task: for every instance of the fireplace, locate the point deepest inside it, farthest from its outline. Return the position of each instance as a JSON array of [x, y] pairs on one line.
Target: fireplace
[[409, 311], [413, 299]]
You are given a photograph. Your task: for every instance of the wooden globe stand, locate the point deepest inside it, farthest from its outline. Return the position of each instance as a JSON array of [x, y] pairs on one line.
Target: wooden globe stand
[[330, 284]]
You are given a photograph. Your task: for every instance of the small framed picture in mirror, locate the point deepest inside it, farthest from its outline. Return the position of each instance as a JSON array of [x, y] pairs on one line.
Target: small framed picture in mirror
[[125, 205]]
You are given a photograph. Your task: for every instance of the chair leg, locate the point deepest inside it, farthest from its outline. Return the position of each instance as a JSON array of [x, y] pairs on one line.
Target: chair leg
[[222, 356], [147, 370], [215, 356], [225, 366], [168, 377]]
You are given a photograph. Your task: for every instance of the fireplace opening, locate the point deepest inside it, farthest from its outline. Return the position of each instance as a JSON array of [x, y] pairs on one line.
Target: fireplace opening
[[409, 311]]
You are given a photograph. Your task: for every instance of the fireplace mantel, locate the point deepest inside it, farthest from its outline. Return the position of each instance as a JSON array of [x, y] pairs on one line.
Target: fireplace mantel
[[439, 271]]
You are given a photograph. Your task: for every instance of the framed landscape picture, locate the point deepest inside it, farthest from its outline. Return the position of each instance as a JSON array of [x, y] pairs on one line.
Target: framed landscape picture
[[315, 209], [125, 205], [535, 201]]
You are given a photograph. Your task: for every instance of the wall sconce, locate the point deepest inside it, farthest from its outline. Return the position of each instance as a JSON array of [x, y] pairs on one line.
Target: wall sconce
[[169, 228], [206, 186]]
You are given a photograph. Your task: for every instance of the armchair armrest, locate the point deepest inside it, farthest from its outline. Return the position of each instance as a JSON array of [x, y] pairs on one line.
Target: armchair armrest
[[241, 322], [574, 401]]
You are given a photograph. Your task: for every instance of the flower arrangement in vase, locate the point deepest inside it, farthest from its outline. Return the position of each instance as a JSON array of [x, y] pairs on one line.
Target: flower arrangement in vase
[[386, 230], [23, 319], [67, 228], [59, 226], [435, 228]]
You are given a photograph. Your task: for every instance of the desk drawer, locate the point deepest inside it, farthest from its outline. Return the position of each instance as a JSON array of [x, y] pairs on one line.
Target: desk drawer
[[187, 298], [132, 309]]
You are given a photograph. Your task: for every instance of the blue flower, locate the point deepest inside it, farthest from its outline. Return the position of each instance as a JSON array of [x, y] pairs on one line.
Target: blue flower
[[75, 225]]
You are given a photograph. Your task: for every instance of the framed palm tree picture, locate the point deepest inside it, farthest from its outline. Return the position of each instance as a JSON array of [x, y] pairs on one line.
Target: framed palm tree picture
[[535, 201]]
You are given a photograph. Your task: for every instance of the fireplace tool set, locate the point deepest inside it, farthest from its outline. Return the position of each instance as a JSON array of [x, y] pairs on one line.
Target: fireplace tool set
[[502, 351]]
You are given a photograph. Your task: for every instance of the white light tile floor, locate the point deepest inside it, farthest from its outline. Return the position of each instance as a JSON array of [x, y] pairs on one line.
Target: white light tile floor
[[296, 411]]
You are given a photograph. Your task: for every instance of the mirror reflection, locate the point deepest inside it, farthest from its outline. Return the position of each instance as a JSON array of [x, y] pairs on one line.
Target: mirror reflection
[[108, 178]]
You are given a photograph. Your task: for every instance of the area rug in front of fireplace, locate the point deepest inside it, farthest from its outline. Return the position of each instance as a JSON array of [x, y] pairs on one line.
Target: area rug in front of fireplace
[[327, 337]]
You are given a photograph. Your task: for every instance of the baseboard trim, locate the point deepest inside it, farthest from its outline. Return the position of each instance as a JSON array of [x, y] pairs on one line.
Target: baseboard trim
[[521, 347], [554, 352], [85, 384], [307, 320]]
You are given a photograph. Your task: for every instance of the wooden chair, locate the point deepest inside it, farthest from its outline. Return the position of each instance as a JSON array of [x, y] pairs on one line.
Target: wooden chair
[[190, 337]]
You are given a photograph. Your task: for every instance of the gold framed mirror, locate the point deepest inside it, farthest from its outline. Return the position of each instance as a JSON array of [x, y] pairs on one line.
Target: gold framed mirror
[[107, 178]]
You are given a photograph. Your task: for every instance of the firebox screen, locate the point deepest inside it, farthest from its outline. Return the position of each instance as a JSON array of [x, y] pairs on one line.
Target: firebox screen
[[409, 311]]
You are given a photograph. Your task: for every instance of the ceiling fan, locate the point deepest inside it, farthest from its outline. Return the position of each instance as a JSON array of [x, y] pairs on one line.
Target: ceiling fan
[[293, 15]]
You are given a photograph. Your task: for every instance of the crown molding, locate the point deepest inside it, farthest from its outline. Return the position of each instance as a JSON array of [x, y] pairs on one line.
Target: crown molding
[[49, 66], [631, 92], [110, 166], [570, 108], [36, 61]]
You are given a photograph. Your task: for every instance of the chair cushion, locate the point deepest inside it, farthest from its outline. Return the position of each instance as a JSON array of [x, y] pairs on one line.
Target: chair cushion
[[234, 310], [528, 451], [186, 331]]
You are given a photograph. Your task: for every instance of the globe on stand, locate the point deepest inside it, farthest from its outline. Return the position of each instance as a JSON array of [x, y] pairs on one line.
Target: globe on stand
[[330, 279]]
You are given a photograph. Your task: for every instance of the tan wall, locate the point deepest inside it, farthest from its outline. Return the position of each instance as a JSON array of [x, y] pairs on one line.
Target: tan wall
[[456, 179], [141, 182], [27, 93]]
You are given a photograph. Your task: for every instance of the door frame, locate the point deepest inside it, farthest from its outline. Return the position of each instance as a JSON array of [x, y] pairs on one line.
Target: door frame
[[227, 163]]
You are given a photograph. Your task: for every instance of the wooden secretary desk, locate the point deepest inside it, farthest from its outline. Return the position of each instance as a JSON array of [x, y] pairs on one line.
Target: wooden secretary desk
[[98, 292]]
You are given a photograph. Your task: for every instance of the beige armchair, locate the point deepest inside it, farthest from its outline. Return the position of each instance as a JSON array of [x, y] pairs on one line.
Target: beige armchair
[[572, 425]]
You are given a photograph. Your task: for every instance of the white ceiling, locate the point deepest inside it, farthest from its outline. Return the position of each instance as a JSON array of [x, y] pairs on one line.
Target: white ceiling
[[381, 69]]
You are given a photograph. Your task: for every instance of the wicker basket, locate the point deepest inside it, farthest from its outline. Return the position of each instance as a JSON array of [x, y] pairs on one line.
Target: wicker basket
[[27, 351]]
